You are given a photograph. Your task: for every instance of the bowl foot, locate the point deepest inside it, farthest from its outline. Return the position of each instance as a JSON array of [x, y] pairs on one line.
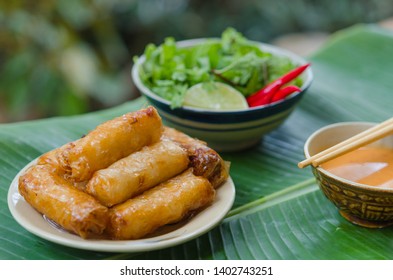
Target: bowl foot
[[233, 146], [365, 223]]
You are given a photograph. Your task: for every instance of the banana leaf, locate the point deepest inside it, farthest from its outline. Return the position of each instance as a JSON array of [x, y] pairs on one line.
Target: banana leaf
[[279, 211]]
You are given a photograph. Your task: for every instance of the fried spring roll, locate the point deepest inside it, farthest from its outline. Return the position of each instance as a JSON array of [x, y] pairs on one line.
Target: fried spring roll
[[167, 203], [205, 161], [54, 197], [110, 142], [138, 172], [51, 160]]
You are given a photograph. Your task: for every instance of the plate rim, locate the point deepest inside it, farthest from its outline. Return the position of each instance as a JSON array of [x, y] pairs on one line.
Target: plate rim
[[225, 197]]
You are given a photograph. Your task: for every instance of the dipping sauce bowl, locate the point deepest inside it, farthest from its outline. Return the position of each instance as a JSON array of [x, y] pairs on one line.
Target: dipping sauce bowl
[[361, 204]]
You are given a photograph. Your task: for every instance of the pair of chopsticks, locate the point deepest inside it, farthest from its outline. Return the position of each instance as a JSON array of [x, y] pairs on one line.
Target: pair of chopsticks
[[364, 138]]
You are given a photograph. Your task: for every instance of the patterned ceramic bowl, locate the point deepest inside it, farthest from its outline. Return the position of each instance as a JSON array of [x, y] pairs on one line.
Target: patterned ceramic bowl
[[226, 130], [361, 204]]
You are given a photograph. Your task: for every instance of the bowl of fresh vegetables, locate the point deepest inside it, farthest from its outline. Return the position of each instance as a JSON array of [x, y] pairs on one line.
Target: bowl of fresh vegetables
[[227, 91]]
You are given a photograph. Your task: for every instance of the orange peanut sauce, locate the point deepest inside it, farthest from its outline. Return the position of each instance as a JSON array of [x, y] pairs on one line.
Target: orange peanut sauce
[[371, 166]]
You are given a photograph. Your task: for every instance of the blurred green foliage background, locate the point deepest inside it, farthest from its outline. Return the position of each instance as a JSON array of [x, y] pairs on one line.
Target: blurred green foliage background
[[73, 56]]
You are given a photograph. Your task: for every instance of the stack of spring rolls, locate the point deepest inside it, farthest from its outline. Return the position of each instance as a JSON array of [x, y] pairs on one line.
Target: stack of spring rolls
[[124, 179]]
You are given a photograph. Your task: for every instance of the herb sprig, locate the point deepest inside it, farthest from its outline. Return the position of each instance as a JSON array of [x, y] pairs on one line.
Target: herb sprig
[[169, 70]]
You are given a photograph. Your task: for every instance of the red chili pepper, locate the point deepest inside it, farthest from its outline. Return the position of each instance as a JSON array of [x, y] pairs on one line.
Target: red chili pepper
[[265, 95], [284, 92]]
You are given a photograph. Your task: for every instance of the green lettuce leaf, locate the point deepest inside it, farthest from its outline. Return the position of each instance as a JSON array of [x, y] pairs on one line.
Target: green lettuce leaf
[[169, 71]]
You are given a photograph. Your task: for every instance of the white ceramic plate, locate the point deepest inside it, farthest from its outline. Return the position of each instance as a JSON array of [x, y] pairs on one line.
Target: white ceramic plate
[[199, 224]]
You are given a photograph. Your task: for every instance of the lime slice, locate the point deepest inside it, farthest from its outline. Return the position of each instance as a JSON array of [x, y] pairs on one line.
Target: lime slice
[[214, 96]]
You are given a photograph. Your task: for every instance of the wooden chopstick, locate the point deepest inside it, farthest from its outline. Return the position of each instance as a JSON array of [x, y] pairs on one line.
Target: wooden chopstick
[[366, 137]]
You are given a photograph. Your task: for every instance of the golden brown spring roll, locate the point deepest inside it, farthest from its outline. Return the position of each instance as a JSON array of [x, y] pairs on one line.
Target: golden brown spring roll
[[204, 160], [110, 142], [138, 172], [58, 200], [169, 202], [51, 160]]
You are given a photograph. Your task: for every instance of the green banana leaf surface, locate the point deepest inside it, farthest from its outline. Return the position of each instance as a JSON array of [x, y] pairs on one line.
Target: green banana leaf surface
[[279, 211]]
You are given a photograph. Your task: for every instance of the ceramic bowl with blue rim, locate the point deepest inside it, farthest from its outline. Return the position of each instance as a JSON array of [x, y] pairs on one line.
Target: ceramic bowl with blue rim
[[227, 130]]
